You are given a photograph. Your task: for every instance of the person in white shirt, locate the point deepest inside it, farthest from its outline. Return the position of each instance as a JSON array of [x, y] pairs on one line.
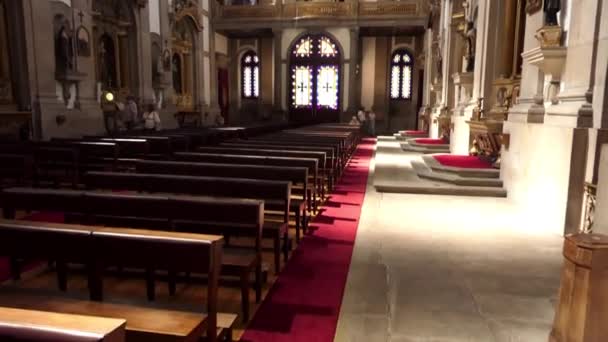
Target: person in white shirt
[[362, 121], [354, 121], [372, 123], [151, 119]]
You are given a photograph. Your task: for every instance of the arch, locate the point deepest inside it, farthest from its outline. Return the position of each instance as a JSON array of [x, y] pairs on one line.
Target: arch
[[111, 20], [250, 75], [315, 78], [401, 75]]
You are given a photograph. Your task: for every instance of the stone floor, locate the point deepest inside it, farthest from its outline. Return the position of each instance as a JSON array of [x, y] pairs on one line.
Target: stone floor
[[444, 268]]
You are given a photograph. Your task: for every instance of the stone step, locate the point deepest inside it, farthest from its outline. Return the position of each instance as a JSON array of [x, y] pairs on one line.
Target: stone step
[[437, 167], [453, 190], [429, 146], [406, 146], [424, 171]]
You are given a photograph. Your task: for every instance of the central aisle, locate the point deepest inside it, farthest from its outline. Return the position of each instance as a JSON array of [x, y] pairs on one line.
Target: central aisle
[[304, 303], [447, 269]]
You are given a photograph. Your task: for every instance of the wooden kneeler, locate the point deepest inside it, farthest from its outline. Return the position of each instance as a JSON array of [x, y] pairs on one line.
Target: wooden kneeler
[[583, 296]]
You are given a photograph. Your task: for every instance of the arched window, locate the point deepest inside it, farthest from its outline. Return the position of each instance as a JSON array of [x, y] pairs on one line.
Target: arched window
[[402, 64], [250, 72]]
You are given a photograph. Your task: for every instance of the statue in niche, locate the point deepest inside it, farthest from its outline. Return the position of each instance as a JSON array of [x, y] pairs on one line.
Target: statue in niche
[[470, 34], [551, 8], [64, 54], [107, 62]]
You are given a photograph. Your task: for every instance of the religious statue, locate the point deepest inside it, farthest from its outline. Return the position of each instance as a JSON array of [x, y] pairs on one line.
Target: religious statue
[[64, 54], [470, 33], [551, 8]]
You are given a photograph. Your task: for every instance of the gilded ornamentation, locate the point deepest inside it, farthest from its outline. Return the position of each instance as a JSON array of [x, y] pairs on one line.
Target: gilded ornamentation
[[258, 11], [318, 9], [388, 8], [549, 36], [533, 6]]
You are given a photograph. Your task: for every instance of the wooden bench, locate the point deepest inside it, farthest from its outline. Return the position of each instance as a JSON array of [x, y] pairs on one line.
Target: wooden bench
[[15, 168], [311, 164], [42, 326], [338, 151], [101, 247], [275, 194], [295, 175], [223, 216], [332, 161], [325, 168]]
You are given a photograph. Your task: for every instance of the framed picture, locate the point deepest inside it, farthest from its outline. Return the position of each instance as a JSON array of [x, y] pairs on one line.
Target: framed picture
[[83, 42]]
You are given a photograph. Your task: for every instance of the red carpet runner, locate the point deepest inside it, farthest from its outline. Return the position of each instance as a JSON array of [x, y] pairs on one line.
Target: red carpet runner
[[467, 162], [304, 303]]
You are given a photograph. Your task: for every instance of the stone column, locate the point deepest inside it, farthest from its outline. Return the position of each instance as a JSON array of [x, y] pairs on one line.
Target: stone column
[[144, 58], [530, 106], [166, 113], [574, 108], [278, 36], [354, 102]]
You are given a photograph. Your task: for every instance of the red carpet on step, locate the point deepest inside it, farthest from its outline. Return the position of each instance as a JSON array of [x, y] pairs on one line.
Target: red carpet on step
[[429, 141], [41, 217], [304, 303], [468, 162]]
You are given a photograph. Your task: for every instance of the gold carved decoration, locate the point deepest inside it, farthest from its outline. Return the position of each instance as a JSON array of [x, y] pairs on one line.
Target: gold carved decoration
[[486, 136], [549, 36], [192, 12], [183, 101], [533, 6], [388, 8], [318, 9], [258, 11]]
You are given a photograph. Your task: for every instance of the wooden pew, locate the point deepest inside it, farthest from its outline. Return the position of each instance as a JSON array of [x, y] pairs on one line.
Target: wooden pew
[[339, 151], [209, 215], [295, 175], [331, 157], [15, 168], [275, 194], [156, 250], [41, 326], [324, 167], [311, 164]]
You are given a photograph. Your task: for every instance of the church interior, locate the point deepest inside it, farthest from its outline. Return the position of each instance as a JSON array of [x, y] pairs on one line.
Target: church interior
[[304, 170]]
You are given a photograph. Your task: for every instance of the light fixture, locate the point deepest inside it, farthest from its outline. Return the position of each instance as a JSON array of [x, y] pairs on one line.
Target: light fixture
[[109, 96]]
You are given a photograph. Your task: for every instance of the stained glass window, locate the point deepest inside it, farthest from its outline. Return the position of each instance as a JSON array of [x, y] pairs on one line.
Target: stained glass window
[[327, 48], [401, 75], [302, 84], [315, 68], [327, 86], [250, 70], [304, 47]]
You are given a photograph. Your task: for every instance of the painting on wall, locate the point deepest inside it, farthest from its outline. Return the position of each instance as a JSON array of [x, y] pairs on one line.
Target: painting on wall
[[83, 42]]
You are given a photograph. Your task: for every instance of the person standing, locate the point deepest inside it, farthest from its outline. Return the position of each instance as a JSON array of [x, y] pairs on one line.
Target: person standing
[[151, 119], [130, 113], [372, 123], [362, 120]]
